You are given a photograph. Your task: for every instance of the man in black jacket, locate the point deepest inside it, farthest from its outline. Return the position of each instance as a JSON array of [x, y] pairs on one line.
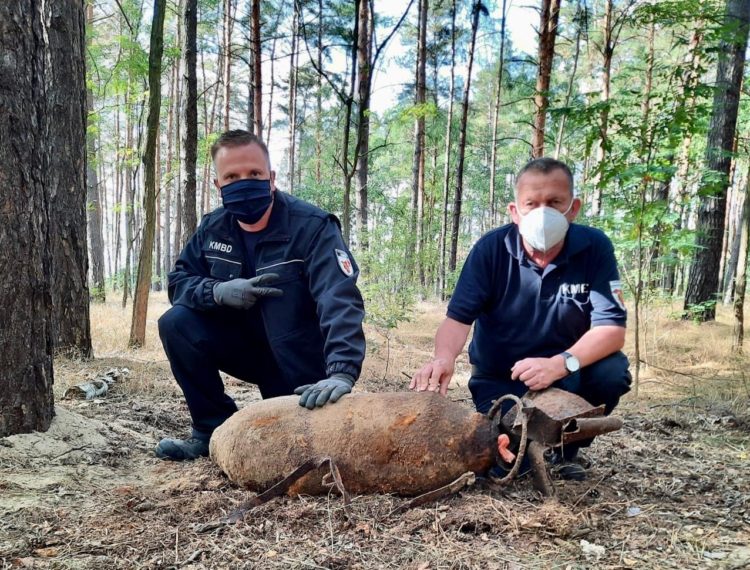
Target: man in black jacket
[[265, 290]]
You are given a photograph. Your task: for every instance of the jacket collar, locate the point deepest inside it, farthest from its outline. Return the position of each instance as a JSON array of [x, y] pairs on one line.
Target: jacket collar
[[278, 223]]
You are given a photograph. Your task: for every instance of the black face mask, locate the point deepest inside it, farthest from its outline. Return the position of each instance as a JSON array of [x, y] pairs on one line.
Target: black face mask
[[247, 199]]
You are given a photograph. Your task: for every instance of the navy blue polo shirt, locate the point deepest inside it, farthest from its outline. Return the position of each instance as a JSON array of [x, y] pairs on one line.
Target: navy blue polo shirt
[[522, 310]]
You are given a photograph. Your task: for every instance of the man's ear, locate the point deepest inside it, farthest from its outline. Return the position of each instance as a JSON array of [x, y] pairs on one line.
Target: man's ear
[[575, 207], [216, 183], [513, 211], [273, 181]]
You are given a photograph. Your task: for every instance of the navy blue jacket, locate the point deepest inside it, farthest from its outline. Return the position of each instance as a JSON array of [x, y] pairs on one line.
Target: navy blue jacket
[[315, 328], [522, 310]]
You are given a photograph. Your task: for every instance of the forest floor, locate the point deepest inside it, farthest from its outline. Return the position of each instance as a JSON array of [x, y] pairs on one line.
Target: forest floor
[[670, 490]]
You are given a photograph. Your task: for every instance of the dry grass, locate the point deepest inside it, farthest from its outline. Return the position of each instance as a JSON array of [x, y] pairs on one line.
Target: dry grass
[[687, 359], [679, 358], [110, 328], [110, 331]]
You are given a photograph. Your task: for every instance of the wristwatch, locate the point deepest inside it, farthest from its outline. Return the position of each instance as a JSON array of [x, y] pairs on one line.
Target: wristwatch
[[571, 362]]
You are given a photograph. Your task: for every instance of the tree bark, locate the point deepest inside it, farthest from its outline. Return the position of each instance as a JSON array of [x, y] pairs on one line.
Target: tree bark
[[128, 194], [495, 118], [257, 73], [457, 198], [145, 260], [741, 275], [178, 239], [66, 104], [364, 64], [729, 245], [168, 176], [293, 100], [190, 121], [347, 168], [226, 57], [703, 280], [31, 134], [94, 206], [418, 167], [549, 17], [157, 202], [319, 99], [735, 213], [447, 157], [116, 214]]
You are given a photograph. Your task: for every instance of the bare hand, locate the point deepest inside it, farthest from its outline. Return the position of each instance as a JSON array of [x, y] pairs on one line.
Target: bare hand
[[539, 373], [434, 376]]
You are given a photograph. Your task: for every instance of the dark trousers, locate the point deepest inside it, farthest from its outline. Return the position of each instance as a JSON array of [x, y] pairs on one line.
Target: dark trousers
[[200, 344], [603, 382]]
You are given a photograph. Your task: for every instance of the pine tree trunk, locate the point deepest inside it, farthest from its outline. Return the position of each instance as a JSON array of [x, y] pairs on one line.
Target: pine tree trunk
[[272, 59], [43, 115], [457, 198], [447, 158], [347, 169], [364, 64], [741, 276], [608, 49], [419, 140], [94, 213], [495, 118], [157, 201], [67, 187], [257, 73], [319, 99], [94, 206], [292, 101], [128, 194], [734, 237], [685, 105], [145, 260], [550, 15], [190, 121], [703, 281], [729, 245], [579, 19], [105, 209], [177, 177], [117, 210], [226, 57], [168, 182]]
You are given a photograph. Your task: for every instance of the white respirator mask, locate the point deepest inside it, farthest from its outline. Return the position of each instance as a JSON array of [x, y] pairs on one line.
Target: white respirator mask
[[543, 227]]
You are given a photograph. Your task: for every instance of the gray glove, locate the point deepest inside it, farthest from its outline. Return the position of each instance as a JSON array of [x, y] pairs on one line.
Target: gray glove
[[328, 390], [243, 293]]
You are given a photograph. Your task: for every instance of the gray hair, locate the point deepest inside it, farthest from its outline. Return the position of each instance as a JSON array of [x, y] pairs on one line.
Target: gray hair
[[545, 165]]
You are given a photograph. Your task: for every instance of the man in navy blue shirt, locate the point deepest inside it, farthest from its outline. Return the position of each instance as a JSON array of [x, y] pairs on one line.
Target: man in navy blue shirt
[[546, 302], [265, 290]]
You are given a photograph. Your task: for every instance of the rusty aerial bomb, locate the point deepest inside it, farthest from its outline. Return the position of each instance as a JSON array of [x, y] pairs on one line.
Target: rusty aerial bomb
[[406, 443]]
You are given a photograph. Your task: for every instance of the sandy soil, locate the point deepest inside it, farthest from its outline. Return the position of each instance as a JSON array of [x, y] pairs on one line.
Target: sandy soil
[[671, 490]]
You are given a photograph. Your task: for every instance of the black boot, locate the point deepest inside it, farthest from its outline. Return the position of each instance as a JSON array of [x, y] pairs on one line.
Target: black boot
[[568, 464], [182, 449]]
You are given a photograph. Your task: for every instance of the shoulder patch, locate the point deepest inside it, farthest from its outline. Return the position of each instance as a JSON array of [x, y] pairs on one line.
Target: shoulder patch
[[616, 287], [345, 264]]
